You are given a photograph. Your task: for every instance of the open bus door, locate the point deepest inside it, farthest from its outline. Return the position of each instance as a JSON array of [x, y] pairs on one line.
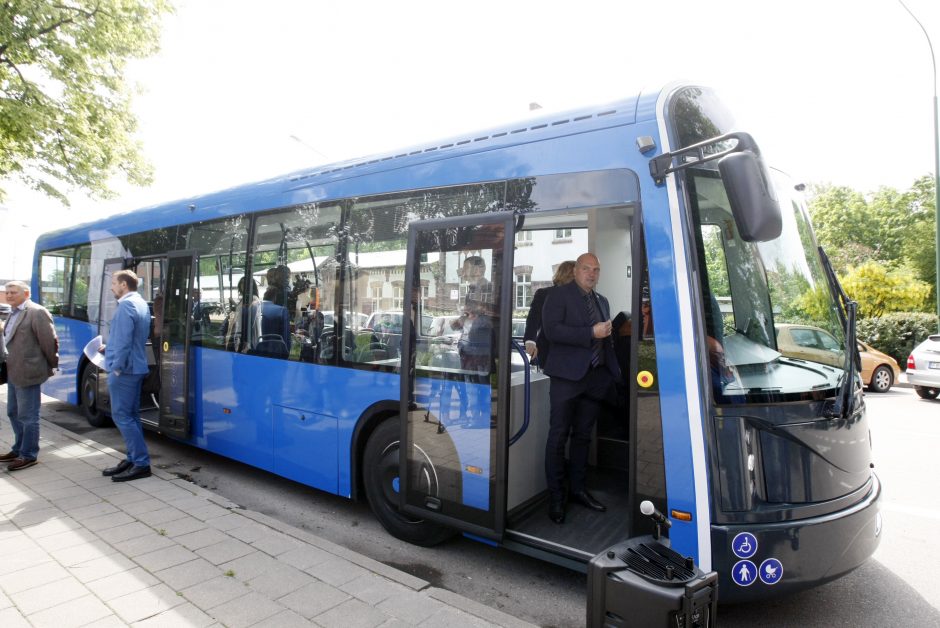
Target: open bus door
[[455, 393], [174, 343], [94, 387]]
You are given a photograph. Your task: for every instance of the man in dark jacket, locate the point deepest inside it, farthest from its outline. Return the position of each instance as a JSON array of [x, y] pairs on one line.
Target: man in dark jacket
[[583, 368]]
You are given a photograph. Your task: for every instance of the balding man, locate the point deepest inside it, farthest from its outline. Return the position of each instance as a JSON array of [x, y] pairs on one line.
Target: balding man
[[583, 368], [33, 353]]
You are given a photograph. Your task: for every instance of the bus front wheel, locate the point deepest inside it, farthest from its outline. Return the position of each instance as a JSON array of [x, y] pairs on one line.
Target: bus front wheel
[[380, 473], [89, 398]]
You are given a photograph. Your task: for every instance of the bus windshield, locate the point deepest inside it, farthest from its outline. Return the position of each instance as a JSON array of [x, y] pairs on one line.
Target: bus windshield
[[773, 329]]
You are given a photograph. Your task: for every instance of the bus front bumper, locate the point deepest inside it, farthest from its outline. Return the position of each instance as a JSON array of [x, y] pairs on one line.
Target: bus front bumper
[[808, 552]]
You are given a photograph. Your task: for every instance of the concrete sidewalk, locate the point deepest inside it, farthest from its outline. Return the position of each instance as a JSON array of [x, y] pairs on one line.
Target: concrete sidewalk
[[79, 550]]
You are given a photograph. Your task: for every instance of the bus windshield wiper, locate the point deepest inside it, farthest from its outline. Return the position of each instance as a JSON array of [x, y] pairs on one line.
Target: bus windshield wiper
[[841, 407]]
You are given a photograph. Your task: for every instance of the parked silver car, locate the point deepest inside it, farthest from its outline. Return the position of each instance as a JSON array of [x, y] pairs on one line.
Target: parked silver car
[[923, 368], [5, 310]]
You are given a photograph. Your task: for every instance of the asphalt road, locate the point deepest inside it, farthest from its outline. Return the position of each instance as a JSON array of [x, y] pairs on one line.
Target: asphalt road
[[898, 587]]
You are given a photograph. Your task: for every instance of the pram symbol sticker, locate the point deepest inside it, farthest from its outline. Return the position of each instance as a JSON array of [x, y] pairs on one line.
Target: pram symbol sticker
[[771, 571]]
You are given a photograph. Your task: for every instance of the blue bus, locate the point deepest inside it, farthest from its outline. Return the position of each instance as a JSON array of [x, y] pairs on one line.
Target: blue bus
[[311, 325]]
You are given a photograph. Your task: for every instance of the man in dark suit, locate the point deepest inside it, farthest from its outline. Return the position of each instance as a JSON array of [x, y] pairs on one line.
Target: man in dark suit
[[275, 337], [126, 362], [583, 368]]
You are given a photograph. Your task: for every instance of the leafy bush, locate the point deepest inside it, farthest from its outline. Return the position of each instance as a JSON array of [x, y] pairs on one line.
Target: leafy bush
[[897, 333], [880, 289]]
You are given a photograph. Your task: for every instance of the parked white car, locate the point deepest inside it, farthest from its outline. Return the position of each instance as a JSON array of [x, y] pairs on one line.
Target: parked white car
[[923, 368]]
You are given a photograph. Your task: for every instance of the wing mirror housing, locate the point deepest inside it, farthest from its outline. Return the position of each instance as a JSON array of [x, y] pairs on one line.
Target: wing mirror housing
[[751, 195]]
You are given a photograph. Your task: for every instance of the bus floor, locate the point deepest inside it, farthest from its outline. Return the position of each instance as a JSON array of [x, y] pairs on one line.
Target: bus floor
[[584, 530]]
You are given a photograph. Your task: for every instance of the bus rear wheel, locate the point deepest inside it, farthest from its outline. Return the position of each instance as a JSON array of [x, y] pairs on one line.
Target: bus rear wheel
[[89, 398], [380, 474]]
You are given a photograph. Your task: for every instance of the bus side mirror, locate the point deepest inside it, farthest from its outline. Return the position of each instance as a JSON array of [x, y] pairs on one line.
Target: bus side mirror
[[753, 201]]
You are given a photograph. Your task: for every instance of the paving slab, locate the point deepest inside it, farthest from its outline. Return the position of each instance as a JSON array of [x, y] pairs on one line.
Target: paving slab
[[81, 551]]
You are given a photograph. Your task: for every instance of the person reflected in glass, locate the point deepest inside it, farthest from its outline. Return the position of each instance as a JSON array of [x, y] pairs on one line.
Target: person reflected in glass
[[242, 318], [721, 373], [275, 338], [646, 314]]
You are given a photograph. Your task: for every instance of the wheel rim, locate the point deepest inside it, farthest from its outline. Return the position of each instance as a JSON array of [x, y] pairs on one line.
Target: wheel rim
[[882, 379], [89, 393], [391, 482]]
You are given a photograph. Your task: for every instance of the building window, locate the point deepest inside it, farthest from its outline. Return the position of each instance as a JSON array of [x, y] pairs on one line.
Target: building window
[[563, 235], [523, 290], [398, 296], [524, 238]]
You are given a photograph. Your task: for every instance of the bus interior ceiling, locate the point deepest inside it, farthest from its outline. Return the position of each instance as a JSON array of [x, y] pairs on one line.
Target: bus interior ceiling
[[608, 233]]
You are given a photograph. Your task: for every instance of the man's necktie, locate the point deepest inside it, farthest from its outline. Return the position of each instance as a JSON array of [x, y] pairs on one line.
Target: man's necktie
[[596, 346]]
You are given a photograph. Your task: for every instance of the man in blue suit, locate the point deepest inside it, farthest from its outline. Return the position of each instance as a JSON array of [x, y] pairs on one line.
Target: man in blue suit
[[583, 368], [126, 363]]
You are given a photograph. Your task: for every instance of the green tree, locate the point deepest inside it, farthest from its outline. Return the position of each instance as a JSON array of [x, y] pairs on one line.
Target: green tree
[[65, 115], [879, 289], [919, 237], [844, 225]]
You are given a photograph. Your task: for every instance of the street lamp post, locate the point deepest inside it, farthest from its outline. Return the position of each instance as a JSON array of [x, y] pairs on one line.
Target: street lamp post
[[936, 157]]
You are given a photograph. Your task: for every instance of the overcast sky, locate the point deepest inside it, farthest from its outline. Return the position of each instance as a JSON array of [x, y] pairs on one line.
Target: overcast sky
[[833, 90]]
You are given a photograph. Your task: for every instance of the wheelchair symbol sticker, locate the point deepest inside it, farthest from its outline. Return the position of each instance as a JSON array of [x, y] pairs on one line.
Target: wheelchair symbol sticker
[[744, 573], [744, 545], [771, 571]]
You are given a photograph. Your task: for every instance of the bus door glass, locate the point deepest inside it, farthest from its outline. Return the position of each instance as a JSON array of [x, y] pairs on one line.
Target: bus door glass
[[454, 396], [107, 305], [108, 302], [174, 345]]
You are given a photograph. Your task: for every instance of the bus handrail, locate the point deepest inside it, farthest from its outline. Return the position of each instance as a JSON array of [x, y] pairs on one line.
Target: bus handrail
[[525, 414]]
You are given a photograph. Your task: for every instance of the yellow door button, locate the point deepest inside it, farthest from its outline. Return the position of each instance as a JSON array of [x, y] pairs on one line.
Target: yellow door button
[[644, 379], [166, 347]]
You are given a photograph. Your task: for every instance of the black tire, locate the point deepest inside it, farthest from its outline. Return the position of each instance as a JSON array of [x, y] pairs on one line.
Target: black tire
[[380, 474], [926, 393], [882, 379], [89, 398]]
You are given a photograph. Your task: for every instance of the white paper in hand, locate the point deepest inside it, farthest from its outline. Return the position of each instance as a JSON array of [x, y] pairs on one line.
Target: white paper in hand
[[91, 352]]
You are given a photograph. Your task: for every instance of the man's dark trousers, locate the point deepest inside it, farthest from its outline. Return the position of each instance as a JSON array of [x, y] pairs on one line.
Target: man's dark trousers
[[575, 406]]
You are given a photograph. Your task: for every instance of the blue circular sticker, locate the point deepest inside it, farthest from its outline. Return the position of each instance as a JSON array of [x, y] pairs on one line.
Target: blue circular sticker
[[771, 571], [744, 545], [744, 573]]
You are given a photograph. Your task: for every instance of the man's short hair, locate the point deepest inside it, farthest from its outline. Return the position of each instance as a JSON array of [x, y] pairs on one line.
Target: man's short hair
[[475, 260], [22, 285], [127, 276]]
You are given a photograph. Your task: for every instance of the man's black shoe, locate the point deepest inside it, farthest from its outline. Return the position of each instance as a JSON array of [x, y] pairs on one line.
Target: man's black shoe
[[131, 473], [556, 510], [123, 465], [586, 499]]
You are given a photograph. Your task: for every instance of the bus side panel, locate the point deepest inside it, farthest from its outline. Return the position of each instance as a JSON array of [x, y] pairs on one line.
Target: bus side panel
[[291, 418], [73, 336], [232, 409]]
